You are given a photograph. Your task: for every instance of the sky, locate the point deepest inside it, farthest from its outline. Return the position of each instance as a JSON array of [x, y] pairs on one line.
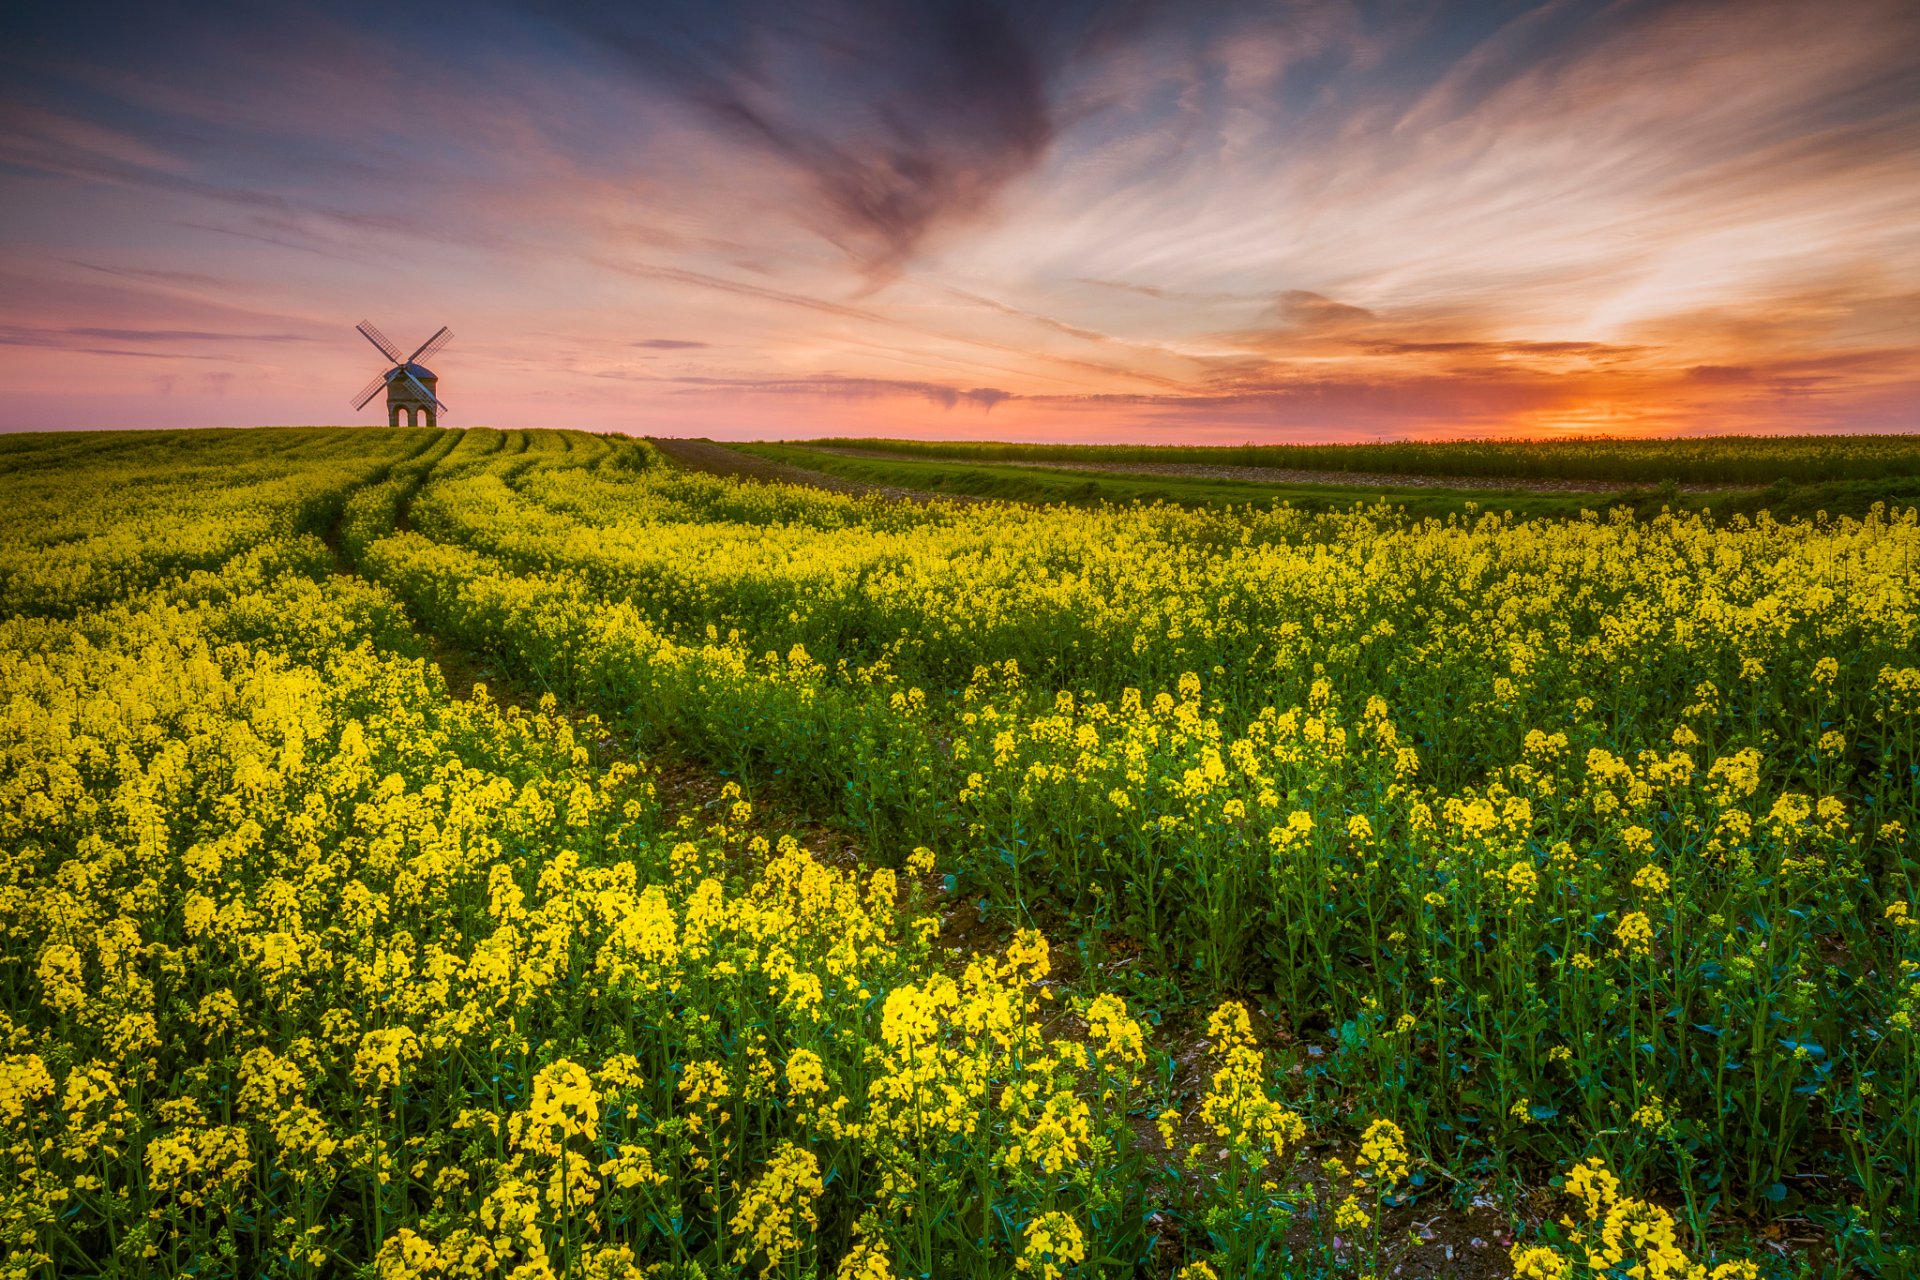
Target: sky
[[1180, 222]]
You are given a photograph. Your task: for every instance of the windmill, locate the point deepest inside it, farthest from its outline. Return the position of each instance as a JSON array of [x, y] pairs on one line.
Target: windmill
[[410, 384]]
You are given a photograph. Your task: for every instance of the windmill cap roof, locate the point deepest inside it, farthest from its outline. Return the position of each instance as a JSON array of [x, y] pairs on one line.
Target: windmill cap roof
[[417, 370]]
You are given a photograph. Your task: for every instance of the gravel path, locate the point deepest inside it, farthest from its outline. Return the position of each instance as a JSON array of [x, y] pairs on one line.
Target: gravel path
[[1283, 475], [718, 460]]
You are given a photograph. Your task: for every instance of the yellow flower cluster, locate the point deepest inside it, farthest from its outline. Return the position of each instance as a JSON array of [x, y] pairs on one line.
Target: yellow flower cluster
[[1383, 1160], [1617, 1235], [1053, 1247], [777, 1207], [1239, 1106]]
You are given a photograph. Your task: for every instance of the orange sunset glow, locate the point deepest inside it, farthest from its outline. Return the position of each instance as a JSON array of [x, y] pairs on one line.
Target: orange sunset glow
[[1161, 222]]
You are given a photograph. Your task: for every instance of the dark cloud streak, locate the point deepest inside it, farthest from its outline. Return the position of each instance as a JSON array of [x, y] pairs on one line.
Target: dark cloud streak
[[81, 338], [902, 115], [837, 385]]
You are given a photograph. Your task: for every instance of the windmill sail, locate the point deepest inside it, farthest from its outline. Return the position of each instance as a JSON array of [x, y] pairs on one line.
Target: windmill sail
[[431, 345], [379, 340], [369, 391]]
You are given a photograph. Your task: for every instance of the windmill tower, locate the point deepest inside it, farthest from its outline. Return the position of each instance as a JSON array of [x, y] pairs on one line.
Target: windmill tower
[[410, 385]]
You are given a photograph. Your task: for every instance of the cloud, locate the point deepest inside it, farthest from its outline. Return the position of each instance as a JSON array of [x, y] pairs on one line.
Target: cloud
[[78, 342], [668, 344], [182, 335], [1498, 349], [1159, 294], [902, 115], [81, 337], [828, 384], [1722, 374], [1006, 309], [195, 279], [1301, 309]]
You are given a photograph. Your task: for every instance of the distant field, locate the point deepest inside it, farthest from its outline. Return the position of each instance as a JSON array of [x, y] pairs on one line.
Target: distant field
[[1050, 476], [1012, 482], [1719, 460]]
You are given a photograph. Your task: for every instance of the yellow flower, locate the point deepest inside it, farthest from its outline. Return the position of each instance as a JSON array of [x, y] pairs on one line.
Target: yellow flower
[[195, 1163], [705, 1083], [565, 1105], [406, 1255], [1618, 1233], [1116, 1035], [62, 978], [1057, 1137], [1052, 1244], [1351, 1216], [806, 1074], [865, 1261], [384, 1057], [1634, 933], [777, 1206], [1238, 1105], [1383, 1156], [24, 1084], [1537, 1262], [1522, 880]]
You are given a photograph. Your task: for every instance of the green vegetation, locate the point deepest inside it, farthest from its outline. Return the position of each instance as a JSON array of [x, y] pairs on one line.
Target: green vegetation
[[930, 471], [1719, 460], [1013, 483]]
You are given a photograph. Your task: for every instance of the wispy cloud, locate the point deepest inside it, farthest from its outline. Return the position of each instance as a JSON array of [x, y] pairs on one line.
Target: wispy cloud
[[87, 338], [828, 384]]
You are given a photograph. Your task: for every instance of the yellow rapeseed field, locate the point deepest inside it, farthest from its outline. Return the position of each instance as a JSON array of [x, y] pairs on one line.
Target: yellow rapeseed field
[[1322, 872]]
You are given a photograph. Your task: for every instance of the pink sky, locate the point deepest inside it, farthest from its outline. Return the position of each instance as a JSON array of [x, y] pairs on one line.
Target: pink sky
[[1327, 221]]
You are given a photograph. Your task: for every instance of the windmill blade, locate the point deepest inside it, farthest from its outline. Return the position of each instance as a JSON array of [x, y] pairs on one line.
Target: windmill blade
[[380, 340], [431, 398], [432, 345], [369, 391]]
